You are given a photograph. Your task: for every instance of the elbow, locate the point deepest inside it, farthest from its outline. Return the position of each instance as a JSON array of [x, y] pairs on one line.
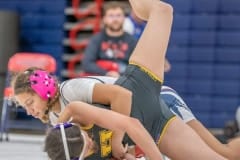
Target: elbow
[[133, 122], [125, 95]]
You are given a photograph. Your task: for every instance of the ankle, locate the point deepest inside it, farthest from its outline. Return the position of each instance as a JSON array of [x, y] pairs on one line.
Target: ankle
[[162, 7]]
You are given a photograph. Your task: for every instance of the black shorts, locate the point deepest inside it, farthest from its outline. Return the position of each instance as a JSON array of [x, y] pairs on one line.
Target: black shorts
[[146, 104]]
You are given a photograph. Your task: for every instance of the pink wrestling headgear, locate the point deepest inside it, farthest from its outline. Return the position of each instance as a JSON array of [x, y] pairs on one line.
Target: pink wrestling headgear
[[43, 84]]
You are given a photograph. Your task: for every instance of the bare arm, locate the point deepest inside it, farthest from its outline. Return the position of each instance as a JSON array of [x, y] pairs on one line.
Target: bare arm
[[87, 114], [120, 100], [211, 140]]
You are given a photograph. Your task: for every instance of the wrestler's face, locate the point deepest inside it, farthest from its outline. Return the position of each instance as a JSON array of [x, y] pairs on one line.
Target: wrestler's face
[[114, 19], [32, 103]]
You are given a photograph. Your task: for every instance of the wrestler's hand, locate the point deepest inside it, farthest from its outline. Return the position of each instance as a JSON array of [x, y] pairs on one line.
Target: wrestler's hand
[[118, 150], [126, 156], [129, 156]]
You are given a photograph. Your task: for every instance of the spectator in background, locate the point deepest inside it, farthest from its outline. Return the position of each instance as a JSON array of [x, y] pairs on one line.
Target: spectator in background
[[108, 51], [135, 26]]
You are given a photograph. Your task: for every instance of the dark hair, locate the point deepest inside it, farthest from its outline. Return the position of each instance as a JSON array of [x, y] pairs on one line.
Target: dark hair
[[54, 144], [112, 5]]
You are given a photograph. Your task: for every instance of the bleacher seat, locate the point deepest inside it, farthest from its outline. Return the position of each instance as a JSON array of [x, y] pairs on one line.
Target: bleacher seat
[[47, 7], [198, 103], [181, 22], [227, 54], [6, 5], [53, 49], [229, 22], [29, 6], [229, 6], [42, 21], [227, 71], [204, 118], [178, 70], [226, 88], [201, 107], [39, 35], [201, 54], [177, 54], [179, 84], [219, 119], [200, 71], [204, 22], [228, 38], [199, 87], [225, 104], [179, 38], [205, 6], [181, 6], [204, 38]]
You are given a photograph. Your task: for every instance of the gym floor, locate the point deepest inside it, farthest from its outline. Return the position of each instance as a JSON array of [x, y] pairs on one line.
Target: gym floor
[[22, 147]]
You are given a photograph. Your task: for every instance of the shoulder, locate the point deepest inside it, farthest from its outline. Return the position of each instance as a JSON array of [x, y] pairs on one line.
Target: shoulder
[[76, 84], [103, 79], [97, 36]]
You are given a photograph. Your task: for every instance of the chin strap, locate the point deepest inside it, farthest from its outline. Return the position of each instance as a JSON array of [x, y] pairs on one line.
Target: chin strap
[[64, 142]]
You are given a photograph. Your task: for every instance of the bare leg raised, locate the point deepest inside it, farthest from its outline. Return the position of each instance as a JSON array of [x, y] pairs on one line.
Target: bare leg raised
[[151, 48]]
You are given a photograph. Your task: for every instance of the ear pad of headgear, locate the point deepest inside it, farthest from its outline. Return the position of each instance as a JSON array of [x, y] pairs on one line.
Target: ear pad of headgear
[[43, 84]]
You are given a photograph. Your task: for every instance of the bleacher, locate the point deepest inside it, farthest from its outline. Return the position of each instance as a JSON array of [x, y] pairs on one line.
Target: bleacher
[[205, 59], [41, 25]]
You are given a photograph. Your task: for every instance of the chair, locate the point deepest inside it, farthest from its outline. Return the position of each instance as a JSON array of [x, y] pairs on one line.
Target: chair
[[17, 63]]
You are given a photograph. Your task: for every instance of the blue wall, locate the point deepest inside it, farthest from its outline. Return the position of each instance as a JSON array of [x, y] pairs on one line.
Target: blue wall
[[41, 25], [205, 53]]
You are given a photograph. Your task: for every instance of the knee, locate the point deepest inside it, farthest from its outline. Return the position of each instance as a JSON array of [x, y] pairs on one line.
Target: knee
[[163, 7]]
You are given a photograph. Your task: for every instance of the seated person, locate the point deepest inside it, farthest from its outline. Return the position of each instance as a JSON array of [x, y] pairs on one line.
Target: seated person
[[112, 44]]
